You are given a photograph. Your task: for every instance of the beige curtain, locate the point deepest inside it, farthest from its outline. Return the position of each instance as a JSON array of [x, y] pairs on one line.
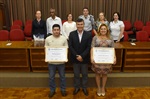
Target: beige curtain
[[129, 9]]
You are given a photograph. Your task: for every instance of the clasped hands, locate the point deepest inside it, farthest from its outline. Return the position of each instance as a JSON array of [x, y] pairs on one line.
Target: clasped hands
[[79, 58]]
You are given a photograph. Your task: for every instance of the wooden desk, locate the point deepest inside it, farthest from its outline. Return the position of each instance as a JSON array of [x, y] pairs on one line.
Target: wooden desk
[[136, 57], [14, 57], [37, 57], [23, 55], [119, 56], [38, 64]]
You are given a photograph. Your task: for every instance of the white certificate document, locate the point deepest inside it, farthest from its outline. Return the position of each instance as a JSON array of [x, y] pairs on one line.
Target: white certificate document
[[56, 54], [103, 55]]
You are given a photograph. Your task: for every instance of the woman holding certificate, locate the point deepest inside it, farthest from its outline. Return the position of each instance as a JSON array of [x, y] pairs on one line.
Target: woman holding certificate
[[102, 40]]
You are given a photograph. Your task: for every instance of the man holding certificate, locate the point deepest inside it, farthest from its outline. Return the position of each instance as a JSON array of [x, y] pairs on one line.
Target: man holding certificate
[[102, 57], [79, 45], [54, 46]]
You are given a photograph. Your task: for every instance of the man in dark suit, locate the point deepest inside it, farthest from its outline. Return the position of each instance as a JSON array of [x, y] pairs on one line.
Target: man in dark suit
[[79, 45]]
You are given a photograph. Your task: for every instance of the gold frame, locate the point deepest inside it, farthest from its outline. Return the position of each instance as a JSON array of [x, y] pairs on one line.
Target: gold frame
[[57, 61], [103, 48]]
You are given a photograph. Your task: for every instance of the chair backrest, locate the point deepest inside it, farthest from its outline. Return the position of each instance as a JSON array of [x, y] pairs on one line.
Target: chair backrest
[[15, 27], [138, 25], [28, 22], [18, 22], [125, 36], [147, 29], [63, 21], [17, 35], [128, 25], [142, 36], [4, 35], [148, 23], [28, 30]]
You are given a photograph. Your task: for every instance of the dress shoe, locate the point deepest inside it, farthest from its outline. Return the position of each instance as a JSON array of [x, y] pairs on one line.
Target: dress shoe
[[64, 93], [85, 92], [99, 92], [76, 90], [52, 94], [103, 94]]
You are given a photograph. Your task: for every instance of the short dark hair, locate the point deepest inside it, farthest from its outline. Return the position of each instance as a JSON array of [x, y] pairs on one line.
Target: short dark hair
[[56, 25], [117, 14], [79, 20], [85, 8]]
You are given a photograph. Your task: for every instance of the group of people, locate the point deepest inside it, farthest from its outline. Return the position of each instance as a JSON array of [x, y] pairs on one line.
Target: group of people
[[77, 37]]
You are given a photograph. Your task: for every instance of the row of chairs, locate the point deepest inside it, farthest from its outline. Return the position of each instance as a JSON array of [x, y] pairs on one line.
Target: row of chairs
[[17, 24], [141, 36], [18, 35], [137, 26], [13, 35], [20, 23]]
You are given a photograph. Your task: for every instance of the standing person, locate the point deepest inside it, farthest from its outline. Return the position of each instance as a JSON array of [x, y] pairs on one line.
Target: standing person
[[38, 26], [101, 20], [53, 19], [117, 28], [68, 26], [89, 23], [102, 39], [79, 45], [56, 40]]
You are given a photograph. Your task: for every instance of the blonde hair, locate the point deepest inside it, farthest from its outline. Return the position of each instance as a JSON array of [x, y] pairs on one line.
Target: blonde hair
[[108, 32]]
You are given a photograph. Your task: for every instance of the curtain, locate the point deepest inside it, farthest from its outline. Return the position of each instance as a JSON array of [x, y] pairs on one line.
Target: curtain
[[25, 9]]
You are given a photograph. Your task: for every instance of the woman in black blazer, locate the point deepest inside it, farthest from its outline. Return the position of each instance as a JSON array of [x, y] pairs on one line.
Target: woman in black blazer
[[39, 26]]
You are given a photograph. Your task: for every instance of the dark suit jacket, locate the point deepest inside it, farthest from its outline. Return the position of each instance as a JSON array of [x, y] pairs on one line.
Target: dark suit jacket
[[77, 48], [39, 28]]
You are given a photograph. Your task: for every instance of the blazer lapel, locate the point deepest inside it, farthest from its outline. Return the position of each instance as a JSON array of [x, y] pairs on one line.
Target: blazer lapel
[[77, 37], [83, 36]]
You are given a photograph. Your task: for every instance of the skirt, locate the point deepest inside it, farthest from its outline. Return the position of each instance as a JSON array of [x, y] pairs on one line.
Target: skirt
[[102, 68]]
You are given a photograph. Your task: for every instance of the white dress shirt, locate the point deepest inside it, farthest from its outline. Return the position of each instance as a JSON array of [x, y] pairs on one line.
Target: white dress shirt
[[80, 36], [50, 22], [115, 28], [68, 27]]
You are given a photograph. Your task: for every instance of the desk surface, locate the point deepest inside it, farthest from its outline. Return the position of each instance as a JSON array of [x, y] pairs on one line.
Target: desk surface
[[40, 45], [15, 44], [139, 45]]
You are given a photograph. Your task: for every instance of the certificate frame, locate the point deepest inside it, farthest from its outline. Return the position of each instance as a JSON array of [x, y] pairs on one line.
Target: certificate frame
[[103, 55], [56, 54]]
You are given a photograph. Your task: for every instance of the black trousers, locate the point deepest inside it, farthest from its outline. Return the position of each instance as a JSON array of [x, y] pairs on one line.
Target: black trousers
[[84, 71]]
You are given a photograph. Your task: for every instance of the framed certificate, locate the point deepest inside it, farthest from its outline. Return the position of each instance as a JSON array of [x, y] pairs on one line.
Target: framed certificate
[[103, 55], [56, 54]]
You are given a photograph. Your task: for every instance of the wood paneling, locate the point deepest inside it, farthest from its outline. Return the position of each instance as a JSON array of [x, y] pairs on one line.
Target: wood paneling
[[137, 58], [14, 57], [23, 54]]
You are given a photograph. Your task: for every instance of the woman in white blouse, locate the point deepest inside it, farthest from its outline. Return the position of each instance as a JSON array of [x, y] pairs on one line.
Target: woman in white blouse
[[117, 28], [68, 26]]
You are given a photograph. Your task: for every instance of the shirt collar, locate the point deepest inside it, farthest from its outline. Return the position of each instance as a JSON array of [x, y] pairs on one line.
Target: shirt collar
[[80, 33], [56, 18], [116, 22], [88, 16]]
